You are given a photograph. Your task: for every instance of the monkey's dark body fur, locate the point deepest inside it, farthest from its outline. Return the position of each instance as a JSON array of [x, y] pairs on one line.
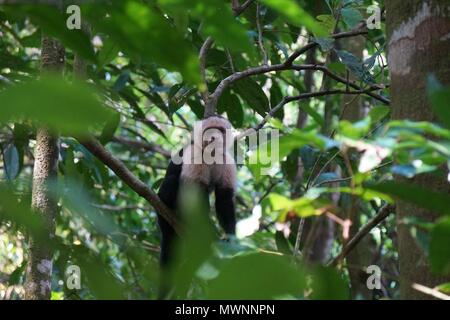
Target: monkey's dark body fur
[[218, 178], [168, 194]]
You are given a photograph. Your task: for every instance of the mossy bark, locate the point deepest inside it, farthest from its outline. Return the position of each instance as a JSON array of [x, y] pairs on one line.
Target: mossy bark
[[39, 268], [419, 45]]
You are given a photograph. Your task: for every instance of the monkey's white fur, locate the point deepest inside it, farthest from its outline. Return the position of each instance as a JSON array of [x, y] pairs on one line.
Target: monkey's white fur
[[196, 169]]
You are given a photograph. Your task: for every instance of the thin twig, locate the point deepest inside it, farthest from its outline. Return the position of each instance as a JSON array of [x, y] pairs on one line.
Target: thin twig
[[202, 58], [142, 145], [430, 291], [382, 214], [301, 224], [288, 99], [260, 34], [243, 7], [210, 108]]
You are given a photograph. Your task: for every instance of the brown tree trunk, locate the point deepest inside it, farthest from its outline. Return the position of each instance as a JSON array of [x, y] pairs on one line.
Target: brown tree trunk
[[361, 255], [418, 45], [39, 268]]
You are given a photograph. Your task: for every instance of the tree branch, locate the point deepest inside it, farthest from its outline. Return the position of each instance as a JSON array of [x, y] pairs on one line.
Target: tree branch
[[202, 58], [243, 7], [310, 45], [130, 179], [384, 212], [210, 108], [142, 145], [288, 65], [302, 96]]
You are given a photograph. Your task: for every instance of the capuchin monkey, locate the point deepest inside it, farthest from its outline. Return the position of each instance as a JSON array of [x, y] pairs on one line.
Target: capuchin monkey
[[207, 163]]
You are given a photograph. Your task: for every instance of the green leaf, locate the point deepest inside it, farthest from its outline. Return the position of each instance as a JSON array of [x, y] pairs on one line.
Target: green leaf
[[11, 161], [20, 214], [351, 17], [235, 112], [198, 237], [33, 40], [327, 21], [275, 98], [240, 279], [53, 23], [251, 92], [137, 28], [68, 107], [355, 130], [421, 126], [313, 113], [197, 108], [121, 81], [326, 44], [378, 113], [297, 16], [14, 278], [445, 288], [355, 65], [439, 247], [433, 201], [218, 21], [327, 284], [337, 67], [440, 97], [110, 128], [108, 52]]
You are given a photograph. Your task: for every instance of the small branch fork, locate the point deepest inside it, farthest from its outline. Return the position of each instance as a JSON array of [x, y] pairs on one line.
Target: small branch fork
[[302, 96], [212, 99]]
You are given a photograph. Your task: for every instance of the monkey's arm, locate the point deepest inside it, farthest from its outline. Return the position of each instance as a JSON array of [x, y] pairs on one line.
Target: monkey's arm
[[168, 192], [225, 209]]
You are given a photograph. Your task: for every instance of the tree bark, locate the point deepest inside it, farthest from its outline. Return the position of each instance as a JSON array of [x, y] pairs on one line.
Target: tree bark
[[419, 44], [39, 268], [362, 254]]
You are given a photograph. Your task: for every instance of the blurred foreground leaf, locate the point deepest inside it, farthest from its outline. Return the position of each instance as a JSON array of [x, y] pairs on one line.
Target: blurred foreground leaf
[[434, 201], [257, 276], [67, 107]]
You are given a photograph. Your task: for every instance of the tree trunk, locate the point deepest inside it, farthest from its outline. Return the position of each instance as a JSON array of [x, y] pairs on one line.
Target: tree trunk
[[362, 254], [419, 44], [39, 268]]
